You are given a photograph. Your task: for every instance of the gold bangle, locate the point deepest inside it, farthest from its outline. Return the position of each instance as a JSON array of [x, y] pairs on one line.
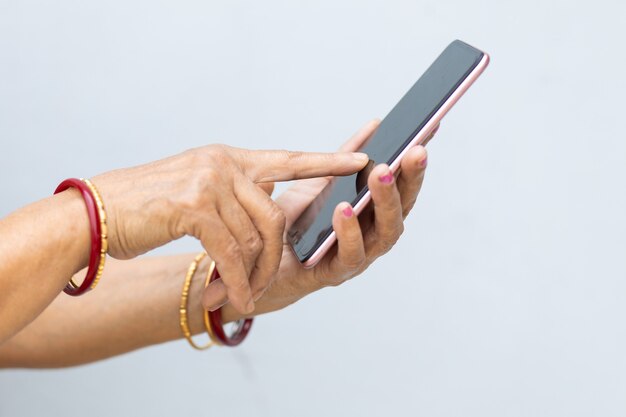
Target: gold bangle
[[104, 248], [184, 322], [207, 322]]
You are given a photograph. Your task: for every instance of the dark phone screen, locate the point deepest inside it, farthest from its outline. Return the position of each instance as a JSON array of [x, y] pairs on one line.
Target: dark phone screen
[[395, 132]]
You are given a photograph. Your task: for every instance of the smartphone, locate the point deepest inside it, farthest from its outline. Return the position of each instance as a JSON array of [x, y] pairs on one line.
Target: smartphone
[[410, 122]]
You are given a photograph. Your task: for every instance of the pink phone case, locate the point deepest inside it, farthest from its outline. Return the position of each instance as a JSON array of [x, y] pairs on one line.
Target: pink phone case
[[428, 129]]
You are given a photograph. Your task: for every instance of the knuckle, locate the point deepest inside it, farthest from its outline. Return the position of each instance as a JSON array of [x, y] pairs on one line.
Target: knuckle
[[292, 156], [195, 195], [208, 176], [232, 252], [385, 246], [198, 156], [191, 154], [210, 155], [354, 263], [293, 161], [337, 279], [389, 239], [328, 276], [289, 156], [253, 244], [239, 285], [217, 149]]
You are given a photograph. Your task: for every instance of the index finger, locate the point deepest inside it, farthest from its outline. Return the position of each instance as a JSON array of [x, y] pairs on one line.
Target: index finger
[[270, 166]]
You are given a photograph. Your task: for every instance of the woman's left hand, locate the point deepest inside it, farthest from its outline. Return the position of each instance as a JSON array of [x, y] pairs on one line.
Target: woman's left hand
[[360, 240]]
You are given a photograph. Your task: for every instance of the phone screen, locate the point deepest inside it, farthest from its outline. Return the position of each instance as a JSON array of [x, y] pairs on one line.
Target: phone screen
[[395, 132]]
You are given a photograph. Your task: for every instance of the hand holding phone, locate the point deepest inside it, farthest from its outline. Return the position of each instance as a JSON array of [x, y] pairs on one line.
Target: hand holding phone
[[360, 240], [410, 122]]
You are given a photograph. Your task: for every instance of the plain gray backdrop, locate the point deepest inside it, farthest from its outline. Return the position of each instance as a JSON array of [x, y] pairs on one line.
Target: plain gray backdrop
[[506, 296]]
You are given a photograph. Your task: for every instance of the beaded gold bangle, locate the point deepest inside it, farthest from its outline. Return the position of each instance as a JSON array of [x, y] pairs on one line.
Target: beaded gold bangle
[[104, 248], [184, 321]]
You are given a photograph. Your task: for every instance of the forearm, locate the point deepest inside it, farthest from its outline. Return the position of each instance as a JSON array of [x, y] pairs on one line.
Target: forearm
[[136, 304], [41, 247]]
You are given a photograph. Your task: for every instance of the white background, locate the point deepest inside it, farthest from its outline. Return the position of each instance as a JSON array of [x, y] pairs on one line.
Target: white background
[[505, 297]]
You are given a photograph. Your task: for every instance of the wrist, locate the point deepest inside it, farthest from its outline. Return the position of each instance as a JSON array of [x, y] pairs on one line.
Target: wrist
[[76, 226]]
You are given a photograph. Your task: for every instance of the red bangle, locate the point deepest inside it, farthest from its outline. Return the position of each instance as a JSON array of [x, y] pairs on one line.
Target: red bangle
[[242, 326], [97, 222]]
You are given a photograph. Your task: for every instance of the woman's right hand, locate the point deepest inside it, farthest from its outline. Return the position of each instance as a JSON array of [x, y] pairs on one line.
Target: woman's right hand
[[214, 193]]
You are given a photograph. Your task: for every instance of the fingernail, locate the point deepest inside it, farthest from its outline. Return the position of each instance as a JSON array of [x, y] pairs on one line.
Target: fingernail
[[347, 211], [361, 157], [250, 306], [424, 162], [217, 306], [387, 178]]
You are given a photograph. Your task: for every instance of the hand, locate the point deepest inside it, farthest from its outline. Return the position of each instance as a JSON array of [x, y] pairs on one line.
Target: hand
[[212, 193], [360, 241]]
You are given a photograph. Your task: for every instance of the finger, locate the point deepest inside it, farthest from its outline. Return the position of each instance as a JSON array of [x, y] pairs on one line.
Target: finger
[[269, 220], [264, 166], [360, 137], [413, 168], [222, 246], [242, 227], [388, 224], [350, 256], [295, 199]]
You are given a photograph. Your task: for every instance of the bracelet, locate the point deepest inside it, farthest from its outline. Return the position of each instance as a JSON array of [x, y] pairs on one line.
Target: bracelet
[[184, 321], [98, 231], [205, 316], [213, 320]]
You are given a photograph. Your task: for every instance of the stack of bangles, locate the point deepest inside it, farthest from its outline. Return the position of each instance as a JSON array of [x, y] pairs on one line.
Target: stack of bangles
[[97, 257], [212, 319], [98, 231]]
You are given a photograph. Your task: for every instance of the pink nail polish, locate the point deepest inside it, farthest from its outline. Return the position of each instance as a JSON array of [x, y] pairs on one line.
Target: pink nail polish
[[424, 162], [387, 178], [347, 211]]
